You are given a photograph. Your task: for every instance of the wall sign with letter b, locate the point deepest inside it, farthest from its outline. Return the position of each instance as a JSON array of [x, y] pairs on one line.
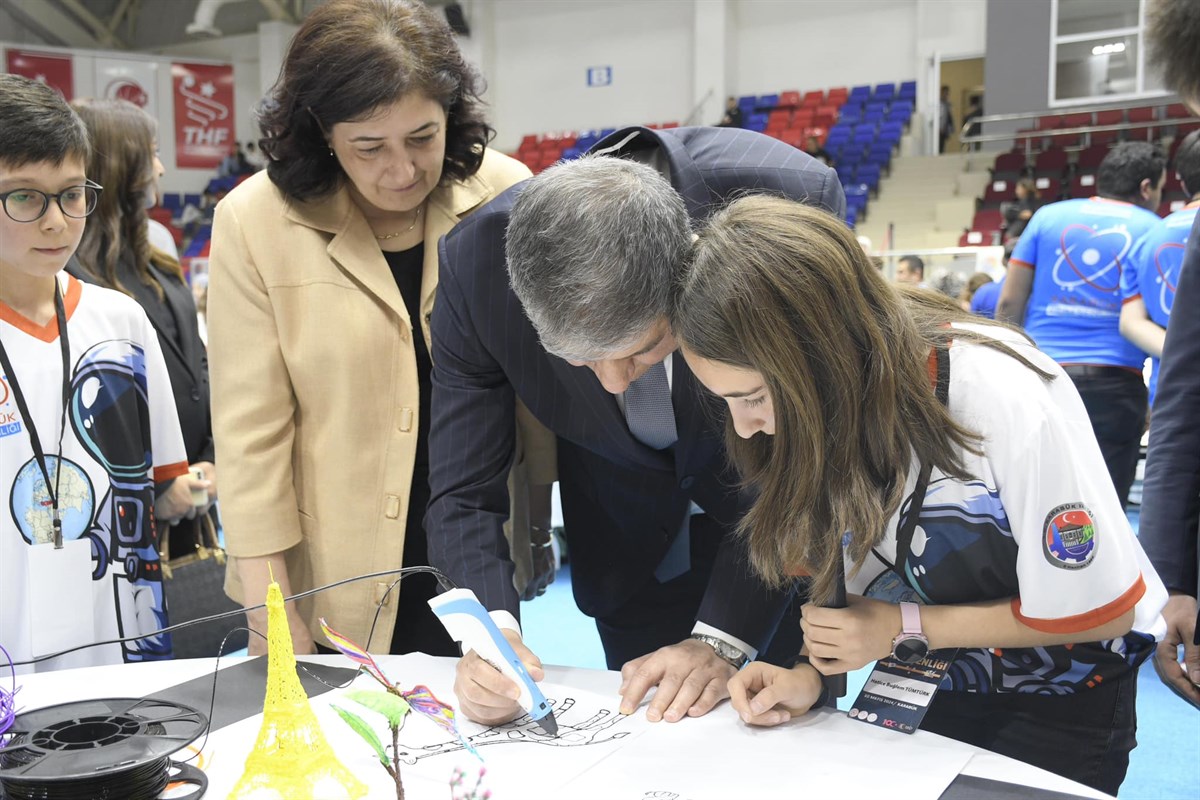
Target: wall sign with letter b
[[599, 76]]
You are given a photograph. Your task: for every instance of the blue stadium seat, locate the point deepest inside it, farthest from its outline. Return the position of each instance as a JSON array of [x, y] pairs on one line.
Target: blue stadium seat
[[868, 174], [851, 218], [747, 102], [756, 122], [767, 102], [863, 93], [901, 110], [885, 91], [570, 153], [908, 91], [173, 202], [607, 132], [873, 115], [191, 200]]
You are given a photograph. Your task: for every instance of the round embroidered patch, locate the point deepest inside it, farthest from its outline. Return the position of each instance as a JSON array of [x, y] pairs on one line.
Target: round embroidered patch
[[1069, 539]]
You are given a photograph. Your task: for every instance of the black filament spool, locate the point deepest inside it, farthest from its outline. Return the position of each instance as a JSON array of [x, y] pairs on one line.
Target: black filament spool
[[113, 749]]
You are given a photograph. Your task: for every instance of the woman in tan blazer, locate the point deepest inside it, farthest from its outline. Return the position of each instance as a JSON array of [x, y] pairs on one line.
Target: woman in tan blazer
[[323, 275]]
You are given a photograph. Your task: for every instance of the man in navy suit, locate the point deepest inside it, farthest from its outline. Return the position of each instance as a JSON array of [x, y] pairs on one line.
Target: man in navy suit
[[575, 326], [1171, 491]]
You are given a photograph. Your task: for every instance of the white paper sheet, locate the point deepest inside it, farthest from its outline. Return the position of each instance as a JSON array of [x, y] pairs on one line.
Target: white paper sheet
[[717, 757]]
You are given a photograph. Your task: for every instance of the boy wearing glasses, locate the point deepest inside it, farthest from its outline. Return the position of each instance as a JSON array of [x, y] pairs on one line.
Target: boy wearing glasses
[[88, 427]]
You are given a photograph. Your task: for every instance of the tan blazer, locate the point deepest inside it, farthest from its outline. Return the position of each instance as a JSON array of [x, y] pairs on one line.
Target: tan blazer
[[314, 387]]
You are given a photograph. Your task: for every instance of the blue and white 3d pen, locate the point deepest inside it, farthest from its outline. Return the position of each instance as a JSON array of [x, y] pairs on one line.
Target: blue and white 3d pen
[[468, 622]]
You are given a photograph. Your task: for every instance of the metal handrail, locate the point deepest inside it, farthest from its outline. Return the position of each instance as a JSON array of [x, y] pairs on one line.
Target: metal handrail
[[1034, 134], [1159, 102]]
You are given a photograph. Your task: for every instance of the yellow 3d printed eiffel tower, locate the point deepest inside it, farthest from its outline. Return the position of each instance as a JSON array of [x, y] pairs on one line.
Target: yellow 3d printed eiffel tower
[[291, 756]]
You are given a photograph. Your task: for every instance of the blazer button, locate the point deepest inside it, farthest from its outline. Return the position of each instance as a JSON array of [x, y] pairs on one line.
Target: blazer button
[[196, 395], [393, 506], [406, 418], [687, 482]]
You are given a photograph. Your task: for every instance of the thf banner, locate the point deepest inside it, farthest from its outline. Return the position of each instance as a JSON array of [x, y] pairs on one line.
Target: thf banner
[[127, 79], [203, 114], [56, 71]]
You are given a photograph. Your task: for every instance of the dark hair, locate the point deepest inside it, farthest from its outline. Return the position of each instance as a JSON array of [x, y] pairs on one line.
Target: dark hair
[[123, 163], [784, 289], [1173, 30], [1125, 167], [1187, 163], [351, 57], [1030, 186], [915, 263], [39, 126]]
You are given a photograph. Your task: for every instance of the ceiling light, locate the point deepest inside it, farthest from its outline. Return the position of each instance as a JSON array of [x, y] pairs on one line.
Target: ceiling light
[[1105, 49]]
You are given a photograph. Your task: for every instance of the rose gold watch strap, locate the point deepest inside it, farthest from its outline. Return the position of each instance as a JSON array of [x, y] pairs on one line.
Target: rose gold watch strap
[[910, 618]]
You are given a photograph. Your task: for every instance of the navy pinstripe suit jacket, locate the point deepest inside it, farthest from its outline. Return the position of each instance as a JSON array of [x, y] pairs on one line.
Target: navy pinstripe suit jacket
[[622, 501]]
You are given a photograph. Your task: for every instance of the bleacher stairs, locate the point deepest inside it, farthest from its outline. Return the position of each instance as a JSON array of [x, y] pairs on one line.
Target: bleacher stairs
[[926, 198]]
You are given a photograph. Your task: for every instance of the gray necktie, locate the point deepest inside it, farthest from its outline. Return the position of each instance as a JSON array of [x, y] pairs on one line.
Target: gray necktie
[[648, 410], [651, 420]]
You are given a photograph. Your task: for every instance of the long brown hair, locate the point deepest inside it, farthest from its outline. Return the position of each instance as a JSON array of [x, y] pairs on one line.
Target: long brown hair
[[784, 289], [122, 162]]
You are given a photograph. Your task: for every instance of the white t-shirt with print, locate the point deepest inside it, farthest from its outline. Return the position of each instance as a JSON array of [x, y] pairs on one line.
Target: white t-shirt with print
[[1040, 523], [121, 436]]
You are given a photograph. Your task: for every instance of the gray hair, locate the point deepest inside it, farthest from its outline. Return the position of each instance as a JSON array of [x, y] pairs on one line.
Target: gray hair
[[593, 248]]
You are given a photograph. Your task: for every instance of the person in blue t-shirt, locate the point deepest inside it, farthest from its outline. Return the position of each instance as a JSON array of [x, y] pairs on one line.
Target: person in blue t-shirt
[[1064, 286], [1149, 280], [983, 302]]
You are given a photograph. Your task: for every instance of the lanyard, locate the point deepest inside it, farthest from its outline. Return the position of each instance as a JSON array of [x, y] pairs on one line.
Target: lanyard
[[904, 536], [60, 316]]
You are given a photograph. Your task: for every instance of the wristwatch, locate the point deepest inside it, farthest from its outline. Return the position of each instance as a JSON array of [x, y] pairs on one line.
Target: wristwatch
[[724, 650], [911, 645]]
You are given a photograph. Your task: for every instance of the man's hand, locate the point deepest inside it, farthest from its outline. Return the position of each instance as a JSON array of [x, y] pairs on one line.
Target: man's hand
[[484, 694], [543, 564], [845, 639], [1180, 614], [764, 694], [690, 676]]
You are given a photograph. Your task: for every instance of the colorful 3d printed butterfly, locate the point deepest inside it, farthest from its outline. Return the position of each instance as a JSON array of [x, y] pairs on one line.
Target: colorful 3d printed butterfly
[[419, 698]]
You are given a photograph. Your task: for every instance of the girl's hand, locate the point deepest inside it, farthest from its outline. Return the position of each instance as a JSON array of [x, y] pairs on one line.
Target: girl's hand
[[845, 639], [764, 694]]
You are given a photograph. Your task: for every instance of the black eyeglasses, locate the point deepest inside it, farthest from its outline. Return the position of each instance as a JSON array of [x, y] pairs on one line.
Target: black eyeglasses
[[28, 205]]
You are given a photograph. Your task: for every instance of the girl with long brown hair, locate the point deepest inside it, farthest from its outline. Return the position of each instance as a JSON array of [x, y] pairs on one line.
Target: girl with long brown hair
[[116, 253], [856, 407]]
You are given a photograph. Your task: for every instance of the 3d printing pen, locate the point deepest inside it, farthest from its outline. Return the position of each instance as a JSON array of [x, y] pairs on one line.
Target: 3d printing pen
[[468, 622]]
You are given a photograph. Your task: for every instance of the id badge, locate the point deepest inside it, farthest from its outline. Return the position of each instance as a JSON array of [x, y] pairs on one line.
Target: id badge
[[58, 596], [897, 695]]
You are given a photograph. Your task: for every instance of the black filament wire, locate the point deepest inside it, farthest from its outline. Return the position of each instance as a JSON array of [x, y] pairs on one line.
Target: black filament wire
[[144, 782]]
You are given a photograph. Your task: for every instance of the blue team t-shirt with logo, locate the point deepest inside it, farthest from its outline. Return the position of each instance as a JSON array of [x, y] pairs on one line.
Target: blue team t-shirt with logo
[[1078, 250], [1154, 268]]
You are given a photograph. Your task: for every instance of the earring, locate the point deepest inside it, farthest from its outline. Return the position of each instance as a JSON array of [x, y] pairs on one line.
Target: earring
[[331, 154]]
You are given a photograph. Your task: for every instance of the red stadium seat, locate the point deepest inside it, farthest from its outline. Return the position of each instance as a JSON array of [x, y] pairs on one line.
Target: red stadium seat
[[987, 219], [1090, 158], [1104, 138], [1168, 207], [1143, 114], [1083, 185], [529, 141], [814, 99], [1010, 164], [779, 118], [803, 117], [1049, 123], [1177, 111], [1080, 120], [794, 137], [1049, 188], [1050, 163], [977, 238], [667, 125], [1111, 117], [789, 99], [998, 192]]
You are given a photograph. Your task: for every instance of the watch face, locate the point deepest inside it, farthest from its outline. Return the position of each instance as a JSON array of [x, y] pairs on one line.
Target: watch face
[[910, 649]]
